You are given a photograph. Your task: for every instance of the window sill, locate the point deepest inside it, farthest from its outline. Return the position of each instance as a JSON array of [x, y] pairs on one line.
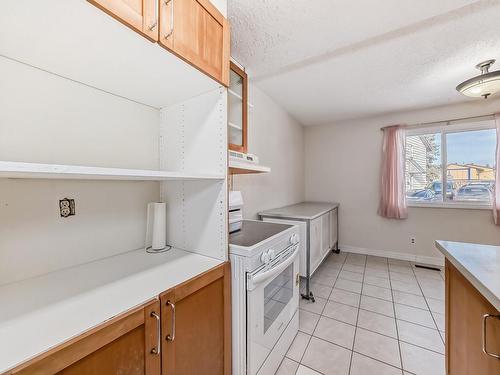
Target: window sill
[[463, 206]]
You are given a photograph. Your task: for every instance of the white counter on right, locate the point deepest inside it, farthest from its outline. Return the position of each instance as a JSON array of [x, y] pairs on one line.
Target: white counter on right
[[479, 264]]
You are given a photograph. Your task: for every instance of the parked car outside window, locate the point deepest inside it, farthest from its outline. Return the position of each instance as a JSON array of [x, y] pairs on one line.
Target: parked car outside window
[[474, 192], [425, 195]]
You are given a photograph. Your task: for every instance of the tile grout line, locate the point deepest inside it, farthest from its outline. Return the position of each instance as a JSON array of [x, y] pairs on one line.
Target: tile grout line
[[396, 323], [425, 299], [316, 325], [357, 318], [362, 282], [378, 333]]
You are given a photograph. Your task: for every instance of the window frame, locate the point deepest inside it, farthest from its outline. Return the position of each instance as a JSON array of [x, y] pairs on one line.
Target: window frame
[[445, 128]]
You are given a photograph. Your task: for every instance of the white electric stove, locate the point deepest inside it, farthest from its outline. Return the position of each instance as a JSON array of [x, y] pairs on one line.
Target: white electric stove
[[265, 295]]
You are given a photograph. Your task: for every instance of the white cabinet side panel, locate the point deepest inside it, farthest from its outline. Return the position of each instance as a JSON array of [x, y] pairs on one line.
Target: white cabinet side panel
[[194, 134], [193, 137]]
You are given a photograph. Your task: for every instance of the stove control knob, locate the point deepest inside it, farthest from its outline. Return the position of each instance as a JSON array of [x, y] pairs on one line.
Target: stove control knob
[[294, 239], [265, 257], [271, 254]]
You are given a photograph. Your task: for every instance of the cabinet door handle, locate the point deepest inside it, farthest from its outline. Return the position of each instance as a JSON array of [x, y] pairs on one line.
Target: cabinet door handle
[[171, 2], [157, 350], [485, 351], [171, 337], [153, 25]]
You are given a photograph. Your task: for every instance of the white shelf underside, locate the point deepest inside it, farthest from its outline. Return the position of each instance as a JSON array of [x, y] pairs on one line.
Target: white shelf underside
[[255, 168], [107, 56], [10, 169]]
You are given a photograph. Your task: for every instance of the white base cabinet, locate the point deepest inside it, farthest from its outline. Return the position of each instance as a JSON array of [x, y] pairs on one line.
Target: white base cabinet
[[318, 230]]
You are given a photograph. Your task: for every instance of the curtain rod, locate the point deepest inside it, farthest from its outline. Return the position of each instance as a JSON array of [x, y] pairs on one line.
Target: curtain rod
[[446, 122]]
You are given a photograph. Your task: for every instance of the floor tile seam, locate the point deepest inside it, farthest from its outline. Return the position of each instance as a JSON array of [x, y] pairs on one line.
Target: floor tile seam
[[397, 330], [357, 319], [421, 347], [425, 299], [379, 360]]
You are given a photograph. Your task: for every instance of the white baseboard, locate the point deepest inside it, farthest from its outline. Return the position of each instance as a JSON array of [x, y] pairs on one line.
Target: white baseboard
[[434, 261]]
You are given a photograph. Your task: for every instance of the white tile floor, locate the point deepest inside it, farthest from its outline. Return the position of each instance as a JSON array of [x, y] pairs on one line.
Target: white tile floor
[[372, 315]]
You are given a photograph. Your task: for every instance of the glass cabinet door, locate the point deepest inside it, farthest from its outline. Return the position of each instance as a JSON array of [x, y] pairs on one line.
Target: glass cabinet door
[[237, 116]]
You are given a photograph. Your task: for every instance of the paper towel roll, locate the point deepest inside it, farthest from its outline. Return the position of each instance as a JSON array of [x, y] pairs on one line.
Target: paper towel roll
[[157, 225]]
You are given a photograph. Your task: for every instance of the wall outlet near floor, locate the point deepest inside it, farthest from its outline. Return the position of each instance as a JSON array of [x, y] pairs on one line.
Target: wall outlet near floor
[[67, 207], [413, 240]]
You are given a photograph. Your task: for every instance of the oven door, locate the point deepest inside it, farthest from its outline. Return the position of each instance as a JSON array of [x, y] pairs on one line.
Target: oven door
[[272, 300]]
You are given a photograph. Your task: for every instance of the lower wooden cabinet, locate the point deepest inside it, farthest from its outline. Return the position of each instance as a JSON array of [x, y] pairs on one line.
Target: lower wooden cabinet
[[465, 310], [196, 325], [187, 331], [126, 344]]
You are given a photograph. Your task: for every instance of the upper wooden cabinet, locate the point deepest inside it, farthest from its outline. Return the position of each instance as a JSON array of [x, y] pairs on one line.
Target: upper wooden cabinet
[[194, 30], [140, 15], [198, 33], [238, 109], [196, 325], [126, 344]]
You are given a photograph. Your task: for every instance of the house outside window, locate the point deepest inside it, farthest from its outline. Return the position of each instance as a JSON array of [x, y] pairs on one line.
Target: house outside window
[[459, 155]]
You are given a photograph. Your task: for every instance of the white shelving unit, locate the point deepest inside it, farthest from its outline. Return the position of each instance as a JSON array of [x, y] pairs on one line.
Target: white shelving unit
[[10, 169], [110, 98]]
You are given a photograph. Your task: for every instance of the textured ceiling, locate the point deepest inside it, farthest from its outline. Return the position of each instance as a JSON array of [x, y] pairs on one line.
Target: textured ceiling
[[329, 60]]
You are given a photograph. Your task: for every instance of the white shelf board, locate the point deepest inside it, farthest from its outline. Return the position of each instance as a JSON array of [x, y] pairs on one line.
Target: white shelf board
[[9, 169], [234, 94], [234, 126], [107, 56], [63, 304], [238, 167]]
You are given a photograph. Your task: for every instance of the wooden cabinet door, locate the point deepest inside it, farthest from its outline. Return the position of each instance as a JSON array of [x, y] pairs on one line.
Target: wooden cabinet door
[[126, 344], [465, 308], [140, 15], [198, 33], [196, 325]]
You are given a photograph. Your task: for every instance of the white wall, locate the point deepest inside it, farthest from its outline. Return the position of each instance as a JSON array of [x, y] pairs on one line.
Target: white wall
[[48, 119], [278, 140], [343, 164]]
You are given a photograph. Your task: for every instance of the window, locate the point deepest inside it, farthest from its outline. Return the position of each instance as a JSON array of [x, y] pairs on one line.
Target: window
[[458, 155]]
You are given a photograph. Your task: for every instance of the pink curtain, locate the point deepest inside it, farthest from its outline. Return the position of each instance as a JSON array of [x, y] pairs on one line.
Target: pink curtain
[[392, 184], [496, 192]]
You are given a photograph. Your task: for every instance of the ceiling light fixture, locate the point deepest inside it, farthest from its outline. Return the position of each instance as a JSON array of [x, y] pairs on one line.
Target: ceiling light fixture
[[486, 84]]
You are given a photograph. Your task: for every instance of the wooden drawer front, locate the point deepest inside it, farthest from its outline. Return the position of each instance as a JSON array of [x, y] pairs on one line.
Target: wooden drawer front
[[465, 308]]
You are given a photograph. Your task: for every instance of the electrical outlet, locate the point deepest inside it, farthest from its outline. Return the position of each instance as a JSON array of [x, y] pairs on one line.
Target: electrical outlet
[[413, 240], [67, 207]]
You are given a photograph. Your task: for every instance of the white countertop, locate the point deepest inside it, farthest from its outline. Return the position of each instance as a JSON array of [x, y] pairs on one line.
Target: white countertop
[[39, 313], [480, 264], [302, 211]]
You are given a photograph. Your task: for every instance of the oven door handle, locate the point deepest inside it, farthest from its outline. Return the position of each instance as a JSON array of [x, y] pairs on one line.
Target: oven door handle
[[259, 278]]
